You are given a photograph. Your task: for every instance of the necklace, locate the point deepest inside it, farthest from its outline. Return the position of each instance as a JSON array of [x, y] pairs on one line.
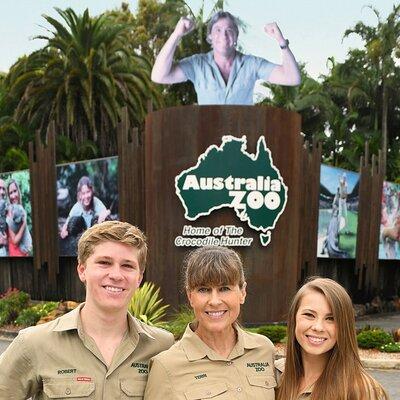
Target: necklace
[[308, 387]]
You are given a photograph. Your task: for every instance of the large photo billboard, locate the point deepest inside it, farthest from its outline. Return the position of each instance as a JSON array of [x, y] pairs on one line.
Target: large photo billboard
[[15, 215], [389, 243], [87, 194], [338, 213]]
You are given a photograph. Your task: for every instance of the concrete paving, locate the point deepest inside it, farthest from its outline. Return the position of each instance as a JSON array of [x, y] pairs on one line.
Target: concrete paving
[[3, 345], [390, 380], [388, 322]]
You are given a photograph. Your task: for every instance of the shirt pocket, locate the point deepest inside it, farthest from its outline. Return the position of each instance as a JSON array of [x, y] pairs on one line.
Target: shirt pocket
[[68, 389], [131, 389], [218, 391], [262, 386]]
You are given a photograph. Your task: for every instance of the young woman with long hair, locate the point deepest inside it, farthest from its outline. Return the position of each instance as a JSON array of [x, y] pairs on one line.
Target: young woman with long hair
[[20, 240], [322, 360]]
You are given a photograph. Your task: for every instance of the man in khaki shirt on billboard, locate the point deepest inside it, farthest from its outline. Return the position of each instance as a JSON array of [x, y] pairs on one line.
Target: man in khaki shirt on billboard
[[97, 351]]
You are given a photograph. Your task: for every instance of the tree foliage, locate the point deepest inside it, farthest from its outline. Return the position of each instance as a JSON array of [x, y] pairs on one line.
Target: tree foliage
[[357, 101], [81, 80], [91, 67]]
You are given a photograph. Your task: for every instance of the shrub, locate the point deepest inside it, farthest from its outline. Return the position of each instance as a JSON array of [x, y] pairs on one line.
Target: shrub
[[391, 348], [275, 333], [11, 304], [9, 292], [179, 320], [31, 315], [373, 339], [252, 329], [146, 305]]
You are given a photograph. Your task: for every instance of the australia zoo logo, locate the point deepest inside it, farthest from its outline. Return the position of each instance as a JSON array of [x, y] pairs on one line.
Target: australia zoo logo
[[229, 176]]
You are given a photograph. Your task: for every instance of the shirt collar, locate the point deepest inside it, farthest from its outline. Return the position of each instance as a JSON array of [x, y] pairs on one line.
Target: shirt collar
[[237, 64], [196, 349], [137, 327], [72, 321], [69, 321]]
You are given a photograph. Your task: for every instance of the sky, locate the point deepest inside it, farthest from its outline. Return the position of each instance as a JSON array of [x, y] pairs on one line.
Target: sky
[[314, 28], [330, 178]]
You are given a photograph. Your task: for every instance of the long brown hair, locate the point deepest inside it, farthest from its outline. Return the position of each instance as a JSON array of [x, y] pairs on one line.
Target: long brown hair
[[344, 377]]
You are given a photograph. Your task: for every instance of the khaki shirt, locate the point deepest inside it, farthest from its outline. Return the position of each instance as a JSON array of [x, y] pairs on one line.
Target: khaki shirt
[[190, 370], [280, 367], [58, 361]]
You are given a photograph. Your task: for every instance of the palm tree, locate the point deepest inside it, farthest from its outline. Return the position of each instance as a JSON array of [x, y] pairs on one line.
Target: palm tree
[[352, 119], [308, 99], [382, 48], [81, 80]]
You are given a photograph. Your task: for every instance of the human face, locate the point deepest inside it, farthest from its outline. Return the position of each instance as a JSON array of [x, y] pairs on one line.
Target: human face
[[111, 275], [315, 326], [2, 189], [216, 307], [223, 36], [85, 196], [13, 194]]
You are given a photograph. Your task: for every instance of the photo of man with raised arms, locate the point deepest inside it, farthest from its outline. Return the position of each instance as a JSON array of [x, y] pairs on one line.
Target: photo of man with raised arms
[[224, 75], [98, 350]]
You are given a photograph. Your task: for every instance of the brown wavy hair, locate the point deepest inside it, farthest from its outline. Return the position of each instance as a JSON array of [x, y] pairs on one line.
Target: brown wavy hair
[[344, 377]]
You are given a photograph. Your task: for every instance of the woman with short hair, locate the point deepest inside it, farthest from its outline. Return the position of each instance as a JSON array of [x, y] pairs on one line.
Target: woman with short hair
[[215, 357], [322, 361]]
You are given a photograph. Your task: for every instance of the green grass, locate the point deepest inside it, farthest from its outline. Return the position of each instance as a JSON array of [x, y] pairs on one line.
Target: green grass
[[348, 236]]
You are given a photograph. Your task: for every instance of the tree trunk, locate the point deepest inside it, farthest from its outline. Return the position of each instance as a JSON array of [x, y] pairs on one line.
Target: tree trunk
[[385, 106]]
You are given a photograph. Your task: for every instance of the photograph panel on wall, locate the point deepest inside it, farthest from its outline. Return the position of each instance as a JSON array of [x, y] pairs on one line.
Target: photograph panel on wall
[[15, 214], [338, 213], [389, 239], [87, 194]]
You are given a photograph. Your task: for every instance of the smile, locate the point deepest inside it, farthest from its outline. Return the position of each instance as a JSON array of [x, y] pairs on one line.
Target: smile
[[215, 314], [113, 289], [315, 339]]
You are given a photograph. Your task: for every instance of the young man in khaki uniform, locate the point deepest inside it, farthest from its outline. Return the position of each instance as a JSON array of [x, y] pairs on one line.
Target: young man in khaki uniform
[[97, 351]]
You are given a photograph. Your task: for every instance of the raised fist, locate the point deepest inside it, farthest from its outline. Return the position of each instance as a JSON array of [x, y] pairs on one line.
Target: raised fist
[[273, 30], [184, 26]]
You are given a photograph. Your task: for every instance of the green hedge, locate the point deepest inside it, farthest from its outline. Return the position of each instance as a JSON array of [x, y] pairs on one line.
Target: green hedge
[[31, 315], [11, 304], [373, 339], [275, 333], [391, 348]]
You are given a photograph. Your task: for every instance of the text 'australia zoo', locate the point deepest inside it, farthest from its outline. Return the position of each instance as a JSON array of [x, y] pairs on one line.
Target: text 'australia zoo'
[[253, 188], [229, 176]]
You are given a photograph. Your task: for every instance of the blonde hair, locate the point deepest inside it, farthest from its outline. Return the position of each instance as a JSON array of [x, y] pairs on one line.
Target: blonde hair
[[213, 266], [113, 231], [344, 377]]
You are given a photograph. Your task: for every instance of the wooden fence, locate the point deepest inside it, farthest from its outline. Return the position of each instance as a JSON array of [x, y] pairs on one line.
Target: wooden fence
[[148, 163]]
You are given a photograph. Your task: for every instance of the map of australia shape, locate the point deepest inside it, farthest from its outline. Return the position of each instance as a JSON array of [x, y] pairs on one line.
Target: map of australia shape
[[229, 176]]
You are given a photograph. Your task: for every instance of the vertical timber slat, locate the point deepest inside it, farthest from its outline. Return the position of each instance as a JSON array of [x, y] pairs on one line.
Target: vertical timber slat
[[44, 205], [130, 170], [369, 215]]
